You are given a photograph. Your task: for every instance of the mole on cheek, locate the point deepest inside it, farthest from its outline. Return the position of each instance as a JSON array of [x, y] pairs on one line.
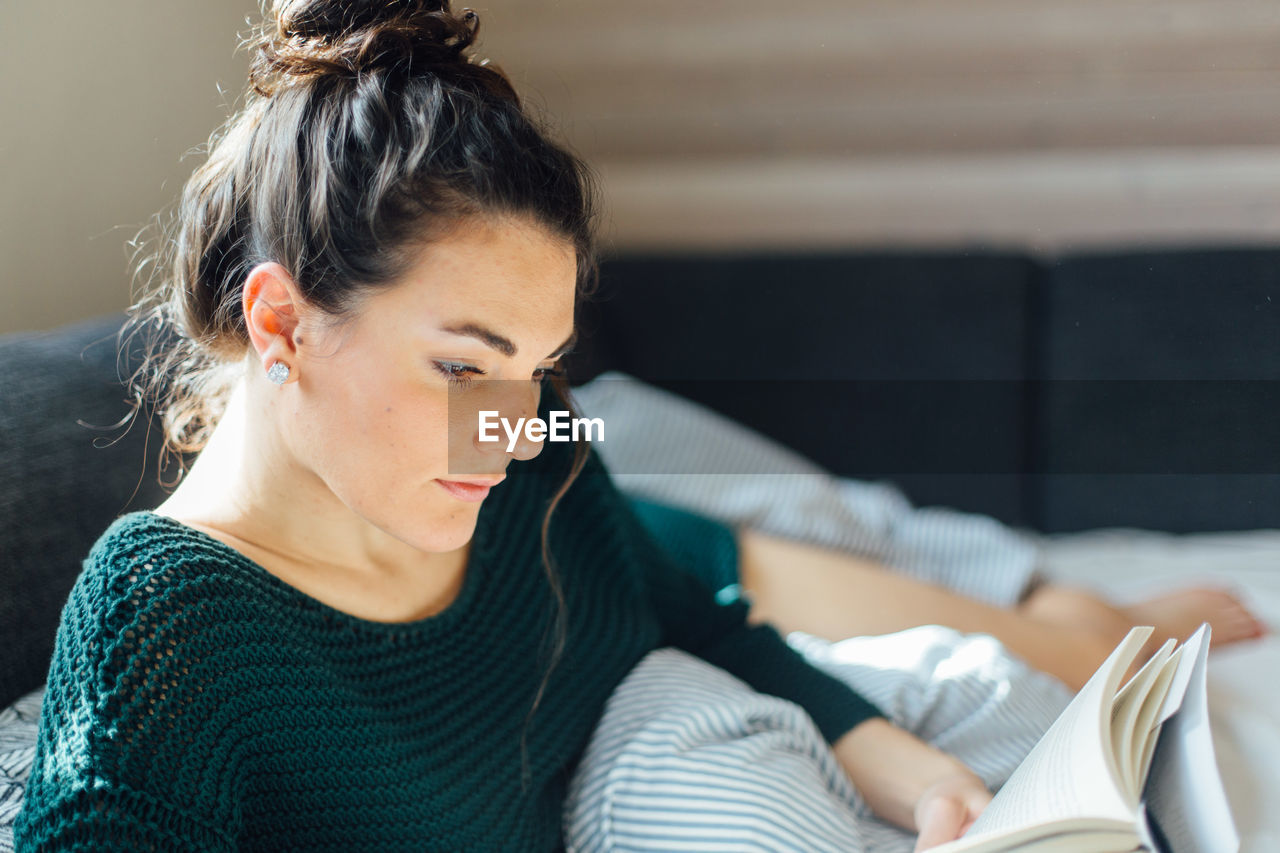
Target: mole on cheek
[[388, 408]]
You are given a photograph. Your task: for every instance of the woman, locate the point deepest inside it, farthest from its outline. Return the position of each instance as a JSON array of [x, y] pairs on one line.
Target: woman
[[353, 625]]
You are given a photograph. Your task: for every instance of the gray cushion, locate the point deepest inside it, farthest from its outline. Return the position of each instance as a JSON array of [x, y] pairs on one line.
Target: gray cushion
[[62, 481]]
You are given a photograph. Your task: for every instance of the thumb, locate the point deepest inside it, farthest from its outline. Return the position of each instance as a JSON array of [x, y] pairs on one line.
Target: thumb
[[940, 820]]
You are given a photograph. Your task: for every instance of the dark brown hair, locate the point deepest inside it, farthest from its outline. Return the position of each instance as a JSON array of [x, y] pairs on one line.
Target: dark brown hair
[[366, 131]]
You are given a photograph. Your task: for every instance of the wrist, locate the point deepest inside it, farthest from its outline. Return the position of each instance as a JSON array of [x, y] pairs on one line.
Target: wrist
[[893, 770]]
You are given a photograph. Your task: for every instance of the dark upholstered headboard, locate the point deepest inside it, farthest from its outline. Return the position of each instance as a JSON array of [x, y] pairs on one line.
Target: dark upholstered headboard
[[1123, 389]]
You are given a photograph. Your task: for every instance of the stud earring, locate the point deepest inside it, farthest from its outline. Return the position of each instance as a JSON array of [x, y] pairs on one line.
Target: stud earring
[[278, 373]]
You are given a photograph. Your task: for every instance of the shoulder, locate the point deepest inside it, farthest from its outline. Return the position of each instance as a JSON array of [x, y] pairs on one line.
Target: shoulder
[[148, 556], [146, 579], [583, 496], [146, 567], [160, 602], [588, 518], [144, 537], [593, 519]]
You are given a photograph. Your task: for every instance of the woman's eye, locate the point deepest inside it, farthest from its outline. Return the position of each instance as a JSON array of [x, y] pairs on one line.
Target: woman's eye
[[457, 373], [460, 374]]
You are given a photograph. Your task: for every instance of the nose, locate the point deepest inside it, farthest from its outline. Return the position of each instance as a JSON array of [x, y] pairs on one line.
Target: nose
[[517, 407]]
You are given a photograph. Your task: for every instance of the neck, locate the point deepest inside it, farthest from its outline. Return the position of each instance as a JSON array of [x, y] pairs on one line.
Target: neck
[[248, 483]]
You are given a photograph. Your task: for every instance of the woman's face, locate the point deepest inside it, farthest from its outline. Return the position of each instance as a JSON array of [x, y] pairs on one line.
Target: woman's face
[[382, 413]]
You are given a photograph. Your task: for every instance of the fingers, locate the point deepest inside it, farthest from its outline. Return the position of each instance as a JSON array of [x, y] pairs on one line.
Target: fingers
[[975, 803]]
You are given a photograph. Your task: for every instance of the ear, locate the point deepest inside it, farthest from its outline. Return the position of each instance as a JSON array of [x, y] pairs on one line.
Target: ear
[[272, 307]]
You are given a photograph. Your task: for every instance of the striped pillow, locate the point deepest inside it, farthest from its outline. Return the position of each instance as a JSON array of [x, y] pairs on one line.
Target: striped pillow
[[18, 726]]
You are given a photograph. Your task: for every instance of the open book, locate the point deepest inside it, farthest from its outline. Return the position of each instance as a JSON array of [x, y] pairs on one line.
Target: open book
[[1124, 768]]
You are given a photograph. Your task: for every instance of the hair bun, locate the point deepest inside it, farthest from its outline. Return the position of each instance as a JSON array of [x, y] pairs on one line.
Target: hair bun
[[313, 38]]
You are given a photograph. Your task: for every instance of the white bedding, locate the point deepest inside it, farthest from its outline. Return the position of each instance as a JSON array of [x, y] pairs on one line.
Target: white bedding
[[1244, 680]]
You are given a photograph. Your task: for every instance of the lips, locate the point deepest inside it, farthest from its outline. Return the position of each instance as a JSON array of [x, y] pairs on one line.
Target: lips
[[470, 490]]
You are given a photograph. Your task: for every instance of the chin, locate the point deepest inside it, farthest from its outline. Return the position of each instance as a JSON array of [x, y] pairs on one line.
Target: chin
[[448, 530]]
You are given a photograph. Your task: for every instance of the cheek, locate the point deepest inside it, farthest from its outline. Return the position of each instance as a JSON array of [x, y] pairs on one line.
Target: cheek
[[376, 430], [410, 432]]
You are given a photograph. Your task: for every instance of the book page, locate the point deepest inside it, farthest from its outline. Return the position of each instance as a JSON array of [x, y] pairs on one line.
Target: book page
[[1131, 715], [1148, 726], [1071, 774], [1184, 794]]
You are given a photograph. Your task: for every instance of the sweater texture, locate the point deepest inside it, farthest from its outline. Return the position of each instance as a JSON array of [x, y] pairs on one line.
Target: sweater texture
[[197, 702]]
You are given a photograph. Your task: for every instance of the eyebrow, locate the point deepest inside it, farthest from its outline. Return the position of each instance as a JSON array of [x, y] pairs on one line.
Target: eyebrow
[[501, 343]]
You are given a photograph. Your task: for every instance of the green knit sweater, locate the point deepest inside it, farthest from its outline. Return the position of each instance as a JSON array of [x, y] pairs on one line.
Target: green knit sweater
[[196, 702]]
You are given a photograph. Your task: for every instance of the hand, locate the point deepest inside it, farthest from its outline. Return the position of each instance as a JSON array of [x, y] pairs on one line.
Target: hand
[[948, 808]]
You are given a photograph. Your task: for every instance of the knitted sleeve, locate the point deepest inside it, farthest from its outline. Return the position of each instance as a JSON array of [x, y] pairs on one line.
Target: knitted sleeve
[[125, 758], [715, 627]]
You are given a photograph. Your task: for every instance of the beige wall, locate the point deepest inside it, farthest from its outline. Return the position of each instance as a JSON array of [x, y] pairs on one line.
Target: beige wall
[[1037, 124], [99, 101], [1041, 124]]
